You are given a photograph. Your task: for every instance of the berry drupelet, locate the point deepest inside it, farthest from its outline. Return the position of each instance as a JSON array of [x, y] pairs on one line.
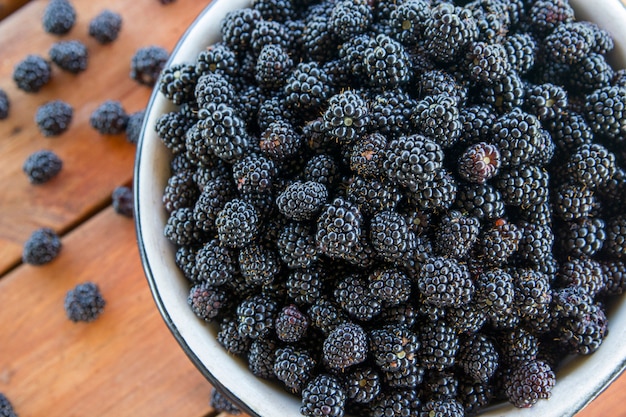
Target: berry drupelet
[[54, 117], [84, 302], [71, 56], [147, 63], [32, 73], [109, 118], [42, 166], [58, 17], [105, 27]]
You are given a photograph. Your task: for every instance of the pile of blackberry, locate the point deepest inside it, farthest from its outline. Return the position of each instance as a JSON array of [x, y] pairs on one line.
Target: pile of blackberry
[[401, 208]]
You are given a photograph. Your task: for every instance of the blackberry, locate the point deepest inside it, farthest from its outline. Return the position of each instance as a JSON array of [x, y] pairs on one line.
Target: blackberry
[[495, 292], [272, 67], [390, 112], [218, 401], [391, 286], [256, 315], [474, 396], [134, 126], [436, 82], [546, 15], [185, 259], [323, 395], [302, 200], [591, 165], [386, 63], [291, 324], [147, 63], [437, 117], [6, 408], [615, 243], [524, 185], [279, 10], [480, 200], [356, 298], [584, 273], [58, 17], [497, 243], [215, 194], [570, 130], [236, 28], [440, 345], [350, 18], [604, 111], [339, 229], [394, 348], [109, 118], [180, 227], [368, 153], [84, 302], [517, 345], [345, 346], [261, 357], [41, 247], [177, 82], [412, 160], [180, 191], [218, 58], [122, 201], [272, 109], [268, 32], [224, 132], [253, 174], [569, 43], [237, 223], [294, 367], [528, 382], [445, 407], [546, 101], [572, 202], [372, 196], [506, 94], [296, 245], [532, 292], [105, 26], [476, 123], [445, 282], [325, 315], [591, 73], [54, 117], [581, 323], [258, 265], [395, 403], [319, 42], [391, 237], [362, 385], [487, 62], [480, 162], [5, 104], [536, 242], [517, 137], [521, 51], [449, 29], [32, 73], [41, 166], [346, 117], [305, 286], [206, 301], [407, 21], [583, 237], [69, 55], [307, 89], [456, 235], [280, 141], [615, 277]]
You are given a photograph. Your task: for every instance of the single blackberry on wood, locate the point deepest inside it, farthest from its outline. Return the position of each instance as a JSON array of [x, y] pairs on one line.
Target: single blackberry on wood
[[122, 201], [294, 367], [109, 118], [54, 117], [41, 166], [604, 111], [592, 165], [84, 302], [528, 382], [391, 237], [237, 223], [302, 200], [218, 401], [444, 282], [59, 17], [615, 243], [346, 345], [32, 73], [5, 104], [479, 162], [105, 26], [134, 126], [440, 345], [69, 55], [347, 117], [323, 395], [147, 63], [296, 245], [456, 235], [41, 247], [206, 301]]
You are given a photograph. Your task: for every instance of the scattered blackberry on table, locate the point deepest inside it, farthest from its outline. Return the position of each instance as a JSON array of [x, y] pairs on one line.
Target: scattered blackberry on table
[[147, 63], [134, 125], [42, 247], [54, 117], [122, 201], [109, 118], [71, 55], [58, 17], [445, 282], [323, 395], [32, 73], [105, 26], [84, 302], [5, 104], [41, 166], [218, 401], [528, 382], [345, 346]]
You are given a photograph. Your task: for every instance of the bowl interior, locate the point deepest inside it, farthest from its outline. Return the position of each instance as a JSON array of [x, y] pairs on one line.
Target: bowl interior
[[577, 383]]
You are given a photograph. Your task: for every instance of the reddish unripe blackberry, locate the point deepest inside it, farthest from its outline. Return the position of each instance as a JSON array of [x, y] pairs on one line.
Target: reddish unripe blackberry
[[324, 395], [445, 282], [479, 162], [291, 324], [206, 301], [345, 346], [528, 382], [545, 15]]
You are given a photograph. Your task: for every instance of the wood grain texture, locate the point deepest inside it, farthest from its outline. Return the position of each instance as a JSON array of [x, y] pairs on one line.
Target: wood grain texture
[[9, 6], [93, 164], [125, 363]]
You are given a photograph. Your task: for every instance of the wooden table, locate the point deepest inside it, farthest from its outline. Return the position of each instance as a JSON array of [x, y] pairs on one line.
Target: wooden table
[[126, 363]]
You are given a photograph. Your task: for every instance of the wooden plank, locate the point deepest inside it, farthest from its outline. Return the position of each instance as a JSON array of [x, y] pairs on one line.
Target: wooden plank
[[126, 363], [9, 6], [93, 164], [609, 403]]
